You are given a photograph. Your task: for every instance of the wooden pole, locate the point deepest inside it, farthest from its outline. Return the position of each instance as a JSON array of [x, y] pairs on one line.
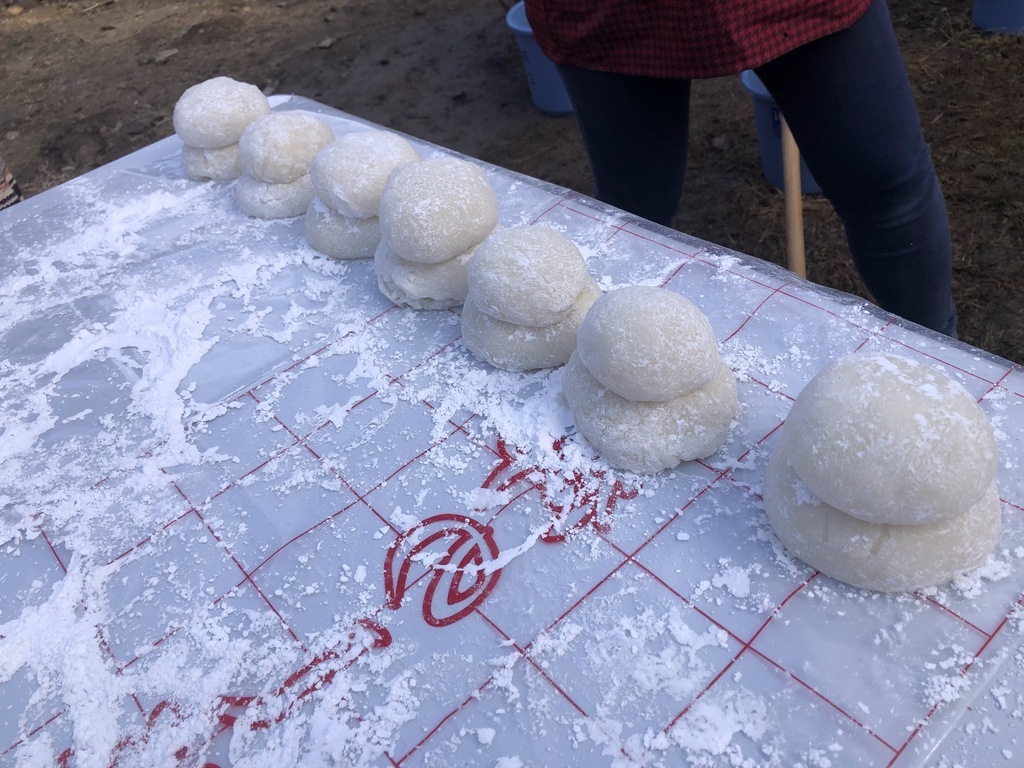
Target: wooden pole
[[794, 203]]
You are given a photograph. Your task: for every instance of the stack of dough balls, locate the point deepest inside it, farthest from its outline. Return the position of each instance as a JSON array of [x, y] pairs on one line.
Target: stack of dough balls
[[277, 153], [884, 475], [209, 118], [529, 289], [348, 178], [433, 214], [646, 385]]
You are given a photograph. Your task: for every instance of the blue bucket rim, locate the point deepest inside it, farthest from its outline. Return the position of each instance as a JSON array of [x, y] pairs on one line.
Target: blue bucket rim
[[516, 19], [753, 84]]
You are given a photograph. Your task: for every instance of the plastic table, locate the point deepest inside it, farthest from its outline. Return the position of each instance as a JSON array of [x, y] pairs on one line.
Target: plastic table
[[256, 515]]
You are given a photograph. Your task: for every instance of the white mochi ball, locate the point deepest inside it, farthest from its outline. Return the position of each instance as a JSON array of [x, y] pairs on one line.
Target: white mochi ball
[[340, 236], [437, 209], [648, 437], [280, 147], [218, 164], [648, 344], [214, 113], [418, 285], [349, 174], [273, 201], [889, 558], [890, 440], [527, 275], [524, 348]]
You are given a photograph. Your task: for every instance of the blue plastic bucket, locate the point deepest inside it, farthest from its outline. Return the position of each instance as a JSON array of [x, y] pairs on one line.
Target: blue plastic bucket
[[1002, 16], [546, 87], [768, 120]]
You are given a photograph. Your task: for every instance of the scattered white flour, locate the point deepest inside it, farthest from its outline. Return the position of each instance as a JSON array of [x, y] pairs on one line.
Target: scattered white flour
[[157, 344]]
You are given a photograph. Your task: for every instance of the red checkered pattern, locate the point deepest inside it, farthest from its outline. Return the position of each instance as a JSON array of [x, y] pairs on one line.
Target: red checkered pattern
[[669, 38]]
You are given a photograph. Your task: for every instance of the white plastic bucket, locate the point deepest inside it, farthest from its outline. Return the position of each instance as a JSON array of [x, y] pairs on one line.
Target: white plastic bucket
[[546, 87], [769, 136]]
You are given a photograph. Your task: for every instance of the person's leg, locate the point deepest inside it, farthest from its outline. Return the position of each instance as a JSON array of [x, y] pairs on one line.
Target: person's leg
[[635, 130], [849, 103]]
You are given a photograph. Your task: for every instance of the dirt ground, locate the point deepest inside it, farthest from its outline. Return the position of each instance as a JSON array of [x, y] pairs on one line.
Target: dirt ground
[[83, 82]]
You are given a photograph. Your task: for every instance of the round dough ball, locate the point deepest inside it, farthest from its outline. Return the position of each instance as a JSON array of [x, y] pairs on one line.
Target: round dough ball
[[889, 558], [648, 344], [436, 209], [340, 236], [890, 440], [527, 275], [651, 436], [522, 348], [280, 147], [421, 286], [214, 113], [349, 174], [219, 164], [273, 201]]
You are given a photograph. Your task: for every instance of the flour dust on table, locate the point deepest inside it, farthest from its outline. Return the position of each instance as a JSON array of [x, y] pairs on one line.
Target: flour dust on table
[[253, 514]]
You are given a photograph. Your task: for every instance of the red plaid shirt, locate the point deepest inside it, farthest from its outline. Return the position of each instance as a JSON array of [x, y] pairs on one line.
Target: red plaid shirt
[[682, 38]]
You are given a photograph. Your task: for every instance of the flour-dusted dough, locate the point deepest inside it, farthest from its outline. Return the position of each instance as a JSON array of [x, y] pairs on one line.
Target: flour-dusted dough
[[527, 275], [648, 437], [890, 440], [349, 174], [522, 348], [340, 236], [273, 201], [280, 147], [219, 164], [437, 209], [418, 285], [214, 113], [648, 344], [888, 558]]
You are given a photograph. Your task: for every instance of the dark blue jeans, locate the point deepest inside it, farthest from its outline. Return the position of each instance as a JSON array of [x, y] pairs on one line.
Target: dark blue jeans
[[848, 101]]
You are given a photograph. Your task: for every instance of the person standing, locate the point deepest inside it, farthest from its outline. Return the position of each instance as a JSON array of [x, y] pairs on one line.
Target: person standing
[[836, 72]]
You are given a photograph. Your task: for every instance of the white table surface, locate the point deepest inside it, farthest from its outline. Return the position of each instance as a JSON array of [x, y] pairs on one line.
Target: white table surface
[[240, 490]]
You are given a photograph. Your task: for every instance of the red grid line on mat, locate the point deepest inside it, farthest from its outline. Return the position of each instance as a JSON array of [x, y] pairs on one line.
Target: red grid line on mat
[[248, 575], [53, 550], [963, 671], [745, 644], [31, 734], [469, 699], [616, 228], [748, 645], [524, 652], [474, 696]]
